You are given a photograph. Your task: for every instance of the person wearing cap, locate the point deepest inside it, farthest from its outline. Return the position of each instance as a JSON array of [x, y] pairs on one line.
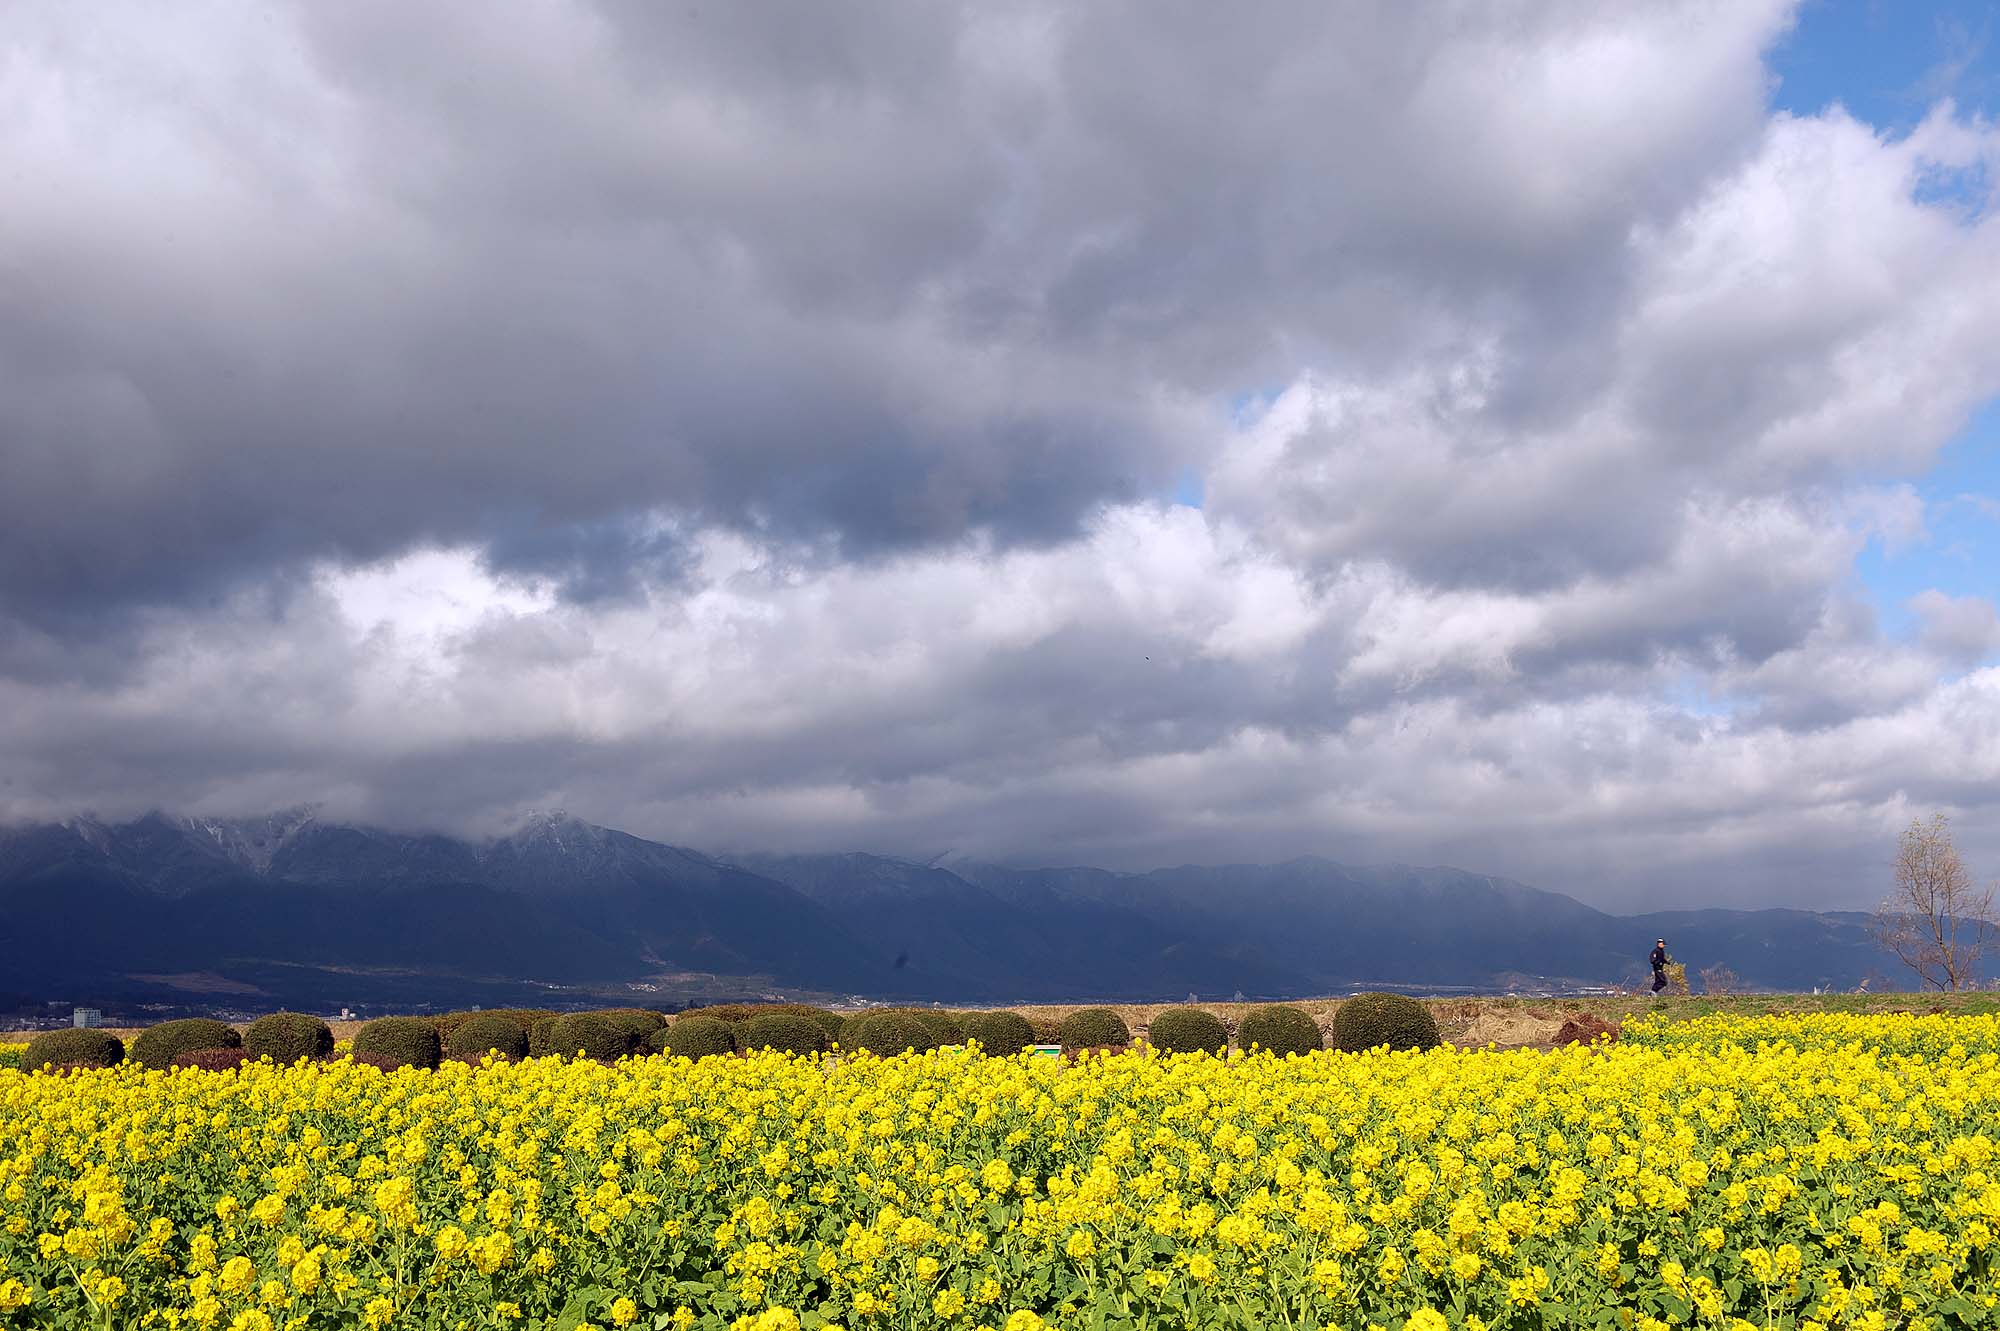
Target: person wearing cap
[[1659, 960]]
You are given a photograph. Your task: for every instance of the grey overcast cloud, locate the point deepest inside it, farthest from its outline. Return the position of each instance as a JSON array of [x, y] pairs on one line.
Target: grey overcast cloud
[[1128, 434]]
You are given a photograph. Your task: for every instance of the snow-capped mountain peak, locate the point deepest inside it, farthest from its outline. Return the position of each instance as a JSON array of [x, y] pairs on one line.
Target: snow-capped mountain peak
[[250, 842]]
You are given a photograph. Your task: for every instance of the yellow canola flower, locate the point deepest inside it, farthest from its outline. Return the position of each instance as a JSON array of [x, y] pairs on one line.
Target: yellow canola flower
[[238, 1274]]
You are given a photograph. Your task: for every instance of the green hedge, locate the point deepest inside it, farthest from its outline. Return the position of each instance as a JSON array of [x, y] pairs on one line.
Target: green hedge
[[787, 1031], [156, 1047], [1188, 1030], [1367, 1021], [593, 1035], [1279, 1028], [735, 1012], [637, 1022], [695, 1036], [945, 1027], [73, 1047], [398, 1042], [488, 1032], [287, 1037], [1002, 1034], [886, 1033], [1094, 1027], [449, 1022]]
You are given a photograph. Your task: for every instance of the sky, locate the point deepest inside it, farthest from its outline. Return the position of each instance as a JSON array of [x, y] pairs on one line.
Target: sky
[[1557, 440]]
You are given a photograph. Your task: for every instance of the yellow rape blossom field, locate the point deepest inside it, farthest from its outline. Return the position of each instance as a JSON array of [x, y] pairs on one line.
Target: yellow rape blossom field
[[1937, 1034], [1714, 1175]]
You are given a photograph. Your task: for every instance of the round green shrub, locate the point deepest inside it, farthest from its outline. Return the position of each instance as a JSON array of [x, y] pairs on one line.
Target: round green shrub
[[1001, 1034], [945, 1027], [488, 1032], [1094, 1028], [636, 1022], [786, 1031], [593, 1035], [830, 1022], [524, 1017], [730, 1013], [695, 1036], [539, 1031], [1188, 1030], [886, 1033], [156, 1046], [287, 1037], [1367, 1021], [403, 1042], [1279, 1028], [73, 1047]]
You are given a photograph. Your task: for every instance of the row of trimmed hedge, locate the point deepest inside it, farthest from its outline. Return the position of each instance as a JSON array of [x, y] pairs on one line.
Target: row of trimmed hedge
[[282, 1037], [1366, 1021], [794, 1028]]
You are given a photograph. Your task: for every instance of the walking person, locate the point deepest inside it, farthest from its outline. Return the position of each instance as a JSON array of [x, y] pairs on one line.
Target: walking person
[[1659, 959]]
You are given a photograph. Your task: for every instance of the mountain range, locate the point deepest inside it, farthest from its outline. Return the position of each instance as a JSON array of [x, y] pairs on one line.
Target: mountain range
[[292, 909]]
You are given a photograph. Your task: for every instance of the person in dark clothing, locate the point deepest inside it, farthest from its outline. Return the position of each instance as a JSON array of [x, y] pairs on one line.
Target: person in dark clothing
[[1659, 960]]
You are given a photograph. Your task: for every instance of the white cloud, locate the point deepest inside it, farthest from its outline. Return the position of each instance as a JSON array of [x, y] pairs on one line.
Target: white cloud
[[1959, 628], [427, 597]]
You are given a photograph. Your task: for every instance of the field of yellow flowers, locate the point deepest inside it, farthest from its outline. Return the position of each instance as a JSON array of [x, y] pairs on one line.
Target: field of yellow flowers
[[1716, 1176], [1937, 1035]]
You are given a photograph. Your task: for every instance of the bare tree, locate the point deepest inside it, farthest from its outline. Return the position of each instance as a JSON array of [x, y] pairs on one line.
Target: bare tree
[[1719, 979], [1935, 922]]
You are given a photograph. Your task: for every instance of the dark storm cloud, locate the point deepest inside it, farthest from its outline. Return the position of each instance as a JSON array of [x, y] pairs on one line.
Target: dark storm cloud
[[345, 280]]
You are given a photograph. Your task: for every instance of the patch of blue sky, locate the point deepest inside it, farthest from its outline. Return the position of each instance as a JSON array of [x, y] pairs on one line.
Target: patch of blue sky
[[1239, 411], [1960, 552], [1246, 407], [1190, 489], [1889, 61], [1690, 695], [1966, 190]]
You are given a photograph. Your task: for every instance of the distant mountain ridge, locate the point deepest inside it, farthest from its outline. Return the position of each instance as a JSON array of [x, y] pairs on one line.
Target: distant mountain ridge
[[294, 907]]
